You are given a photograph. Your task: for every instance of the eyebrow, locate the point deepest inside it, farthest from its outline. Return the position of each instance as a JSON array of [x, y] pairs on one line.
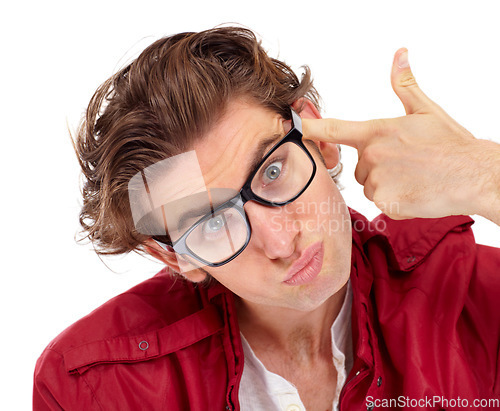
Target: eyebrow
[[196, 212], [199, 210], [260, 151]]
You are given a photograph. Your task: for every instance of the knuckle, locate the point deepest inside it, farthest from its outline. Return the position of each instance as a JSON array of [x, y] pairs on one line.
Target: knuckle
[[378, 127], [359, 175], [368, 156], [379, 203], [407, 79], [331, 129], [375, 178], [368, 192], [371, 155], [370, 188]]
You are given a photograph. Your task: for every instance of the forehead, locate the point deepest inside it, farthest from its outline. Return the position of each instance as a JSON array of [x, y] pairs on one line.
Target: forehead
[[226, 152], [223, 157]]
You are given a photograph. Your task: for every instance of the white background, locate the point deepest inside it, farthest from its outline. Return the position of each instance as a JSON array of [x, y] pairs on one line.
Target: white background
[[54, 55]]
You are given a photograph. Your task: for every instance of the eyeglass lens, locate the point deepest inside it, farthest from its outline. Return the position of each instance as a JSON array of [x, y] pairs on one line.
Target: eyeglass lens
[[220, 236], [284, 174]]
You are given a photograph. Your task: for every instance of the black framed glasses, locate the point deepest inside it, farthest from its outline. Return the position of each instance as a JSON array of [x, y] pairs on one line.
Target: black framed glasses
[[281, 177]]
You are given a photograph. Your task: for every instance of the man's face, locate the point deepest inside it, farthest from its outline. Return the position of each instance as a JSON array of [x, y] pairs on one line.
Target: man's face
[[298, 255]]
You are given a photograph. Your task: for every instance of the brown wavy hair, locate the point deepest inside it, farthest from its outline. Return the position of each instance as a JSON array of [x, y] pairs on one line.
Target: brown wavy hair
[[158, 105]]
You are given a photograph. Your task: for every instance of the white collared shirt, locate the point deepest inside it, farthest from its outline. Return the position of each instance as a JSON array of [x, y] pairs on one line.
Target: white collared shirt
[[261, 389]]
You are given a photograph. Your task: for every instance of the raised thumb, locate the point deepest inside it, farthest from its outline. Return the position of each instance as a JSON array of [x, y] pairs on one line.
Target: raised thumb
[[405, 86]]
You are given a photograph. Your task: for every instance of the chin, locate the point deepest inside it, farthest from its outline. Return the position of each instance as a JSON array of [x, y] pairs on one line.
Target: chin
[[313, 296]]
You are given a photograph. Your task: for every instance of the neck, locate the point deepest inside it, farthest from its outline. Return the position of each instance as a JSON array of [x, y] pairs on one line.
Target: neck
[[305, 335]]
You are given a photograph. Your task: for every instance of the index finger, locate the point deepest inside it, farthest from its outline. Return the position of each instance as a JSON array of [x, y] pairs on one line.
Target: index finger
[[330, 130]]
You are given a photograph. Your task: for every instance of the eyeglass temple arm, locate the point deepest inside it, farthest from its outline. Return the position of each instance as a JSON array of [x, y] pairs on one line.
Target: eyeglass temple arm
[[166, 247], [297, 121]]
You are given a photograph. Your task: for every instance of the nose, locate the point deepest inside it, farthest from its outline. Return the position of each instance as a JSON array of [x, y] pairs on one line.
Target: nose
[[273, 230]]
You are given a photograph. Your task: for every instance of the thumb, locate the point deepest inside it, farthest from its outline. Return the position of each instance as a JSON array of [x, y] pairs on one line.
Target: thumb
[[405, 86]]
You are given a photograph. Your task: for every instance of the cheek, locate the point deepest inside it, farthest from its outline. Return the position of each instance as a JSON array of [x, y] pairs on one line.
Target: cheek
[[323, 203], [239, 275], [248, 284]]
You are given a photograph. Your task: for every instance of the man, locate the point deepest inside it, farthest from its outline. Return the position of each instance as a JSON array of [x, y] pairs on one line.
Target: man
[[212, 157]]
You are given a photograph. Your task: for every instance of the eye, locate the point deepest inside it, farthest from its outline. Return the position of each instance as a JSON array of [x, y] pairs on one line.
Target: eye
[[214, 224], [272, 172]]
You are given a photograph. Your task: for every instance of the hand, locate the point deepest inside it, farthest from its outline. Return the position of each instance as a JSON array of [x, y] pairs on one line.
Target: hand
[[423, 164]]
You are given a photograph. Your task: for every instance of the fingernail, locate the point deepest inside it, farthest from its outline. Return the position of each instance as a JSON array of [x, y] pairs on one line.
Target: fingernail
[[403, 60]]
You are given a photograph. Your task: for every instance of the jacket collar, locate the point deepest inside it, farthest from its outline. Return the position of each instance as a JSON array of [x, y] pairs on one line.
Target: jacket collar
[[142, 347], [408, 242]]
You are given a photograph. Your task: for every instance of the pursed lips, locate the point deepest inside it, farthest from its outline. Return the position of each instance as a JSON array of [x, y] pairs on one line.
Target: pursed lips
[[307, 267]]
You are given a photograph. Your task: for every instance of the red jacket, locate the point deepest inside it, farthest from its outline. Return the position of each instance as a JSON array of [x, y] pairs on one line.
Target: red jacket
[[425, 320]]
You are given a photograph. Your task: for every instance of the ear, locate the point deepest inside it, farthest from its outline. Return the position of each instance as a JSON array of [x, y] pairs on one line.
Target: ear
[[329, 151], [169, 258]]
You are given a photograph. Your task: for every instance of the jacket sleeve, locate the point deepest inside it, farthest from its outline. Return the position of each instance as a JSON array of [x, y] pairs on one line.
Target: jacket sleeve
[[55, 389]]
